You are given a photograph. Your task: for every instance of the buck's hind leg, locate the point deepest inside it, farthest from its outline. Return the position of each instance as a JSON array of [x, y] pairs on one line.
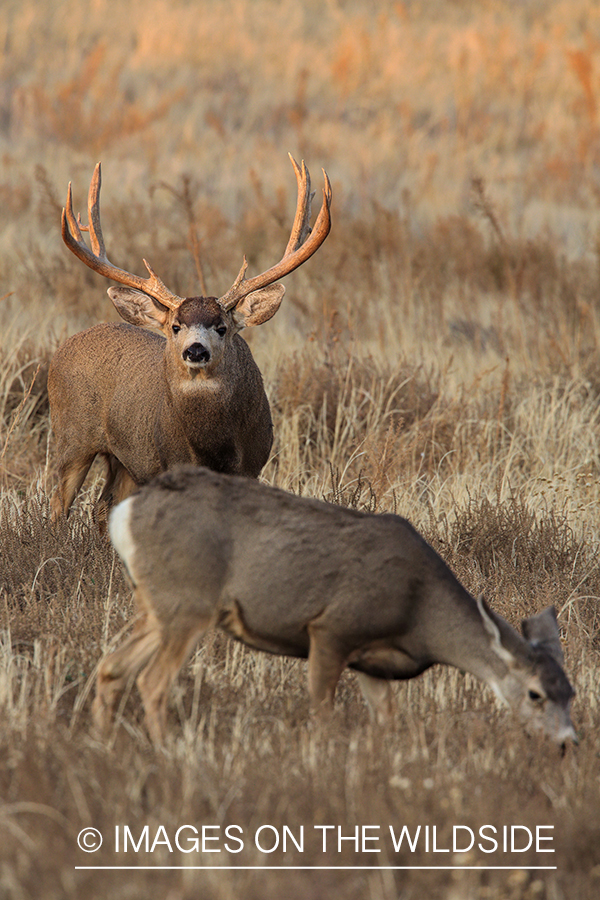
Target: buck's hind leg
[[119, 485], [71, 475], [119, 668], [155, 681]]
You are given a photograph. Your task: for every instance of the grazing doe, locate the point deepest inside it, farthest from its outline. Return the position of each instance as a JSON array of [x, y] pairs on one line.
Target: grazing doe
[[145, 401], [304, 578]]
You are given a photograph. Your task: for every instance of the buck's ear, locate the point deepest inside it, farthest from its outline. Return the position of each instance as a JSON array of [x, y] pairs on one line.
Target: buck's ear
[[259, 306], [542, 631], [138, 308]]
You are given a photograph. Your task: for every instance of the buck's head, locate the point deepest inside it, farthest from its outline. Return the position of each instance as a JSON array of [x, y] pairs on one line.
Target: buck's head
[[534, 684], [198, 328]]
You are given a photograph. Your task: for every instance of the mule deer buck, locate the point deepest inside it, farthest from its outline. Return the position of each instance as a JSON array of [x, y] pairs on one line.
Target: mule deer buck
[[145, 401], [304, 578]]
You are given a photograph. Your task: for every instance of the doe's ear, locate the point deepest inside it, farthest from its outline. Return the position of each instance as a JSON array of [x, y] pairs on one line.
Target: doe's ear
[[138, 308], [258, 306], [542, 631], [494, 632]]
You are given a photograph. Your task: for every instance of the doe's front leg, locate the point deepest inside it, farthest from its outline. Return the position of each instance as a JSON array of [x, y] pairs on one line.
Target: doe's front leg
[[326, 661]]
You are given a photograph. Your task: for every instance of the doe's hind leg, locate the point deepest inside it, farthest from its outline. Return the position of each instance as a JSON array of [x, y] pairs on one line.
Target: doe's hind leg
[[155, 681], [119, 668]]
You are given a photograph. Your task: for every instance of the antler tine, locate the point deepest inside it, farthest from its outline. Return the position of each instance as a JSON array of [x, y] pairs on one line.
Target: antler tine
[[70, 225], [96, 258], [302, 244], [240, 276], [301, 226], [95, 228]]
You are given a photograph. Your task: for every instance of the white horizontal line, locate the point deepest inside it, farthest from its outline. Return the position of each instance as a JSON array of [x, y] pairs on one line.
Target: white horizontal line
[[324, 868]]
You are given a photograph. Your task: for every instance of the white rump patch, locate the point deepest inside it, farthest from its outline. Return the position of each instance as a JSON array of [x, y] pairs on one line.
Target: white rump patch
[[119, 529]]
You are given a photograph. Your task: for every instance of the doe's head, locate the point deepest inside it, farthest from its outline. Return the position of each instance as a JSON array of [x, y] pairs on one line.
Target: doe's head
[[535, 684]]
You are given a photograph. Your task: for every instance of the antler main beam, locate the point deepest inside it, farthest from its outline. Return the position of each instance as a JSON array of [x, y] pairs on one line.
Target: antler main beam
[[303, 241], [96, 259]]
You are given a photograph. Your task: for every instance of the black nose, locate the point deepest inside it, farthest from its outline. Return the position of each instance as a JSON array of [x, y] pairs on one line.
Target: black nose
[[196, 353]]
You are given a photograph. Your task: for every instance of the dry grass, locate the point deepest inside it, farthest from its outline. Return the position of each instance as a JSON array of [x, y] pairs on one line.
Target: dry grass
[[439, 358]]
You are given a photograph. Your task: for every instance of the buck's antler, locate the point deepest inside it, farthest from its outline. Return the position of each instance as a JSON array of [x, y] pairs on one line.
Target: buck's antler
[[302, 244], [96, 258]]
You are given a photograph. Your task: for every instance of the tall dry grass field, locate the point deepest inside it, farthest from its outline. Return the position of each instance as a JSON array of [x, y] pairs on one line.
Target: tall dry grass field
[[439, 357]]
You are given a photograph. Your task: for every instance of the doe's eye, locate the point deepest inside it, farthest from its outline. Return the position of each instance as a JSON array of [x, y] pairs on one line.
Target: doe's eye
[[222, 330], [533, 695], [176, 329]]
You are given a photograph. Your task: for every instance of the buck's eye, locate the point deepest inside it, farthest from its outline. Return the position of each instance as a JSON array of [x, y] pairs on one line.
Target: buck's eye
[[222, 330], [533, 695], [176, 329]]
